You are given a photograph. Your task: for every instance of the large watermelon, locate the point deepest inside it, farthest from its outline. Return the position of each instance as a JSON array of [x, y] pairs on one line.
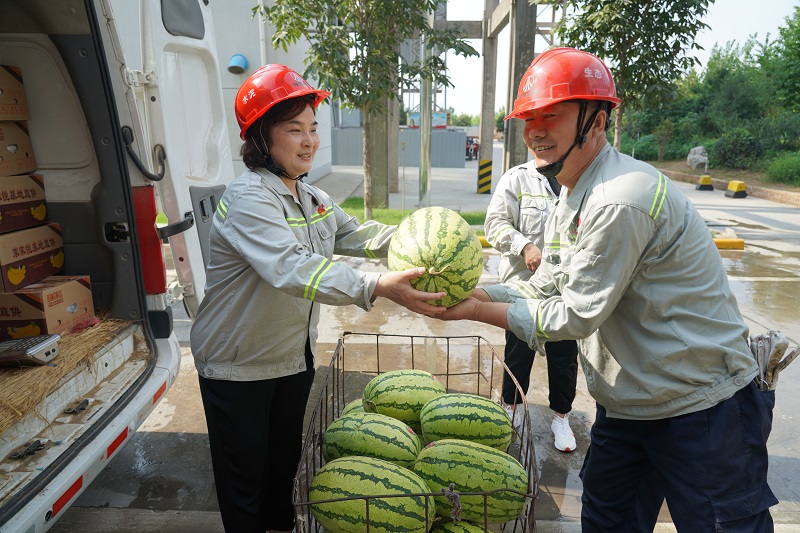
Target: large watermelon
[[351, 477], [473, 467], [401, 394], [440, 240], [371, 435], [468, 417]]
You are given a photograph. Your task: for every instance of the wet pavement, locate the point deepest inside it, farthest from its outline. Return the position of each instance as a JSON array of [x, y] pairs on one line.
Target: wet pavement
[[162, 481]]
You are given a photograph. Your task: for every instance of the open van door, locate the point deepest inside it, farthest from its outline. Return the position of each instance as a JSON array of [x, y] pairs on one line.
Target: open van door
[[182, 144]]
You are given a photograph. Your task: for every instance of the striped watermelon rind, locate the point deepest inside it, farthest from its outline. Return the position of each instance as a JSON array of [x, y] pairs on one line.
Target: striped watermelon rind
[[356, 406], [461, 526], [401, 394], [467, 417], [349, 479], [371, 435], [473, 467], [444, 243]]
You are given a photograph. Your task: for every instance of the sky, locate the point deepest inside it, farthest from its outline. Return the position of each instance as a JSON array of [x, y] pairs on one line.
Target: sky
[[729, 20]]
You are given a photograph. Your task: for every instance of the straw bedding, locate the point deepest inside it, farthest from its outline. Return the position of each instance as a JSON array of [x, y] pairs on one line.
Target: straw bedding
[[23, 390]]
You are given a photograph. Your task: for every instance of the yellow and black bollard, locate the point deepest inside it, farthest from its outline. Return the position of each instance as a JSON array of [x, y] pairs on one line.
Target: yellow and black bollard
[[704, 184], [485, 176], [736, 189]]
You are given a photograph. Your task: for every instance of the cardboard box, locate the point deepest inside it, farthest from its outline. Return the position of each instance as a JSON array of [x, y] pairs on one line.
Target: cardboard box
[[30, 255], [13, 103], [22, 202], [16, 150], [54, 305]]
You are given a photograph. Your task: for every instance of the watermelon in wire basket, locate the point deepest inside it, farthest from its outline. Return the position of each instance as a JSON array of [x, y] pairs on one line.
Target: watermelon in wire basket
[[462, 364]]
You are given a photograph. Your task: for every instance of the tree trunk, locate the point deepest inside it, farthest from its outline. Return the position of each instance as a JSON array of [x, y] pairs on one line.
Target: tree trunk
[[618, 127], [378, 141], [365, 114]]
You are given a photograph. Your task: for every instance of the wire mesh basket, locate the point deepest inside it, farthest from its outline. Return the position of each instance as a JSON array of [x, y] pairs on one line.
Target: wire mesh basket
[[465, 364]]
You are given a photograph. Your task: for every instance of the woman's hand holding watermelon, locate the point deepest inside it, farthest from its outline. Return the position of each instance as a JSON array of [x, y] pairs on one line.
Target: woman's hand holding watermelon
[[396, 286]]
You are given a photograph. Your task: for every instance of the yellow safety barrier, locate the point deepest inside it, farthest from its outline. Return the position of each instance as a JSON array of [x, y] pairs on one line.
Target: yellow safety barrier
[[704, 184], [729, 244], [736, 189], [485, 176]]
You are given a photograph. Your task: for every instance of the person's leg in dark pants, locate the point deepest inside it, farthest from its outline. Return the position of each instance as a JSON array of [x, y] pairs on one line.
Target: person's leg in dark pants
[[615, 473], [237, 419], [287, 412], [714, 465], [519, 360], [562, 374], [711, 464], [254, 467]]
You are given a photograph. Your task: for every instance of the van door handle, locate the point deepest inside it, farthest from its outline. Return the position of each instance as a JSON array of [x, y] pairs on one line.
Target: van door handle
[[165, 232], [158, 151]]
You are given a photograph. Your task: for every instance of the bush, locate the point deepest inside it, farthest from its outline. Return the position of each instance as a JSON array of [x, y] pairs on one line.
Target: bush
[[737, 148], [780, 133], [785, 169], [645, 149]]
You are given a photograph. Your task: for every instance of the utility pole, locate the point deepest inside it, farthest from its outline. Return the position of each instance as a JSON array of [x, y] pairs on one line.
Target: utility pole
[[523, 37], [487, 127]]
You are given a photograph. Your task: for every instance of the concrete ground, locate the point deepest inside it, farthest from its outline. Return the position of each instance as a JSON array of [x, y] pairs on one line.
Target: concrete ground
[[162, 481]]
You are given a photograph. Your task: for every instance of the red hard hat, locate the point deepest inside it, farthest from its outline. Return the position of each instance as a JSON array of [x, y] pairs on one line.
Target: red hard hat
[[561, 74], [266, 87]]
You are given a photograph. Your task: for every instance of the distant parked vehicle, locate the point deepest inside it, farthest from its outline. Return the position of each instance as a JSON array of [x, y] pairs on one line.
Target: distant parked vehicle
[[472, 147]]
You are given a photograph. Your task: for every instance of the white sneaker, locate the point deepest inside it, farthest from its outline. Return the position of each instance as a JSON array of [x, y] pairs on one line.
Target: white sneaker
[[564, 438], [515, 415]]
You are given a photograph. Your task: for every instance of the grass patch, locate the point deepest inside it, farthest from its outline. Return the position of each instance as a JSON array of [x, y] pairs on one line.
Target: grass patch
[[354, 206]]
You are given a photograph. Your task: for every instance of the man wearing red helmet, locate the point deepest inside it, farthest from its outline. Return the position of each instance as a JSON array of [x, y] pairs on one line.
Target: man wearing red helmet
[[630, 270], [270, 268]]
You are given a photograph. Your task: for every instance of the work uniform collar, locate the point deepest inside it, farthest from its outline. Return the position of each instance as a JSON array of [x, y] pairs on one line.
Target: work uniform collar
[[568, 212]]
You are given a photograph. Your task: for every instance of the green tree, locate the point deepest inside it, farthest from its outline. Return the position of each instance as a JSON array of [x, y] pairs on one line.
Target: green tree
[[781, 63], [646, 42], [462, 119], [499, 123], [663, 135], [354, 52]]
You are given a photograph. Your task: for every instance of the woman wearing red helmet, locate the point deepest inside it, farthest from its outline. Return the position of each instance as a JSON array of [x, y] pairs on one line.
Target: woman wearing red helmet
[[270, 268], [629, 270]]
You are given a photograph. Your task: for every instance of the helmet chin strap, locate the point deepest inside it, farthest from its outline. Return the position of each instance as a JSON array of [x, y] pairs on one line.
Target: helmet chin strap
[[278, 170], [270, 163], [554, 169]]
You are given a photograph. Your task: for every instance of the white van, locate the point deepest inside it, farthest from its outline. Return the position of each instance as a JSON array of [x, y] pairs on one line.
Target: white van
[[126, 121]]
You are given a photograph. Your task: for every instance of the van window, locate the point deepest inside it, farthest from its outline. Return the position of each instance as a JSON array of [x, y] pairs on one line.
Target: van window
[[183, 18]]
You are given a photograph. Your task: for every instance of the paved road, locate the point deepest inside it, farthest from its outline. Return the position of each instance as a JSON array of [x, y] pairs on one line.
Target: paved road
[[162, 481]]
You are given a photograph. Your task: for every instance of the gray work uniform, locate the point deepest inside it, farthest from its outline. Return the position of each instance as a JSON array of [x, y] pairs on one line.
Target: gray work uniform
[[517, 211], [270, 267], [630, 267]]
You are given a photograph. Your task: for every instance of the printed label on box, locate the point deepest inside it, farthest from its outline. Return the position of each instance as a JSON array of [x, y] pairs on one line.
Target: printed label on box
[[56, 304], [13, 103], [22, 202], [30, 255]]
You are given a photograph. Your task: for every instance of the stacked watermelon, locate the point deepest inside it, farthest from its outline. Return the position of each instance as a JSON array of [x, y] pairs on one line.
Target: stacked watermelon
[[364, 486], [371, 435], [468, 417], [440, 240], [401, 394], [374, 456], [473, 467]]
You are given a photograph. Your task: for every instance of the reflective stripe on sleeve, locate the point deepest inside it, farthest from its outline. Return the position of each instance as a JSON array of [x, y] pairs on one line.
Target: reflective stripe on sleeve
[[310, 291], [660, 196], [222, 209]]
